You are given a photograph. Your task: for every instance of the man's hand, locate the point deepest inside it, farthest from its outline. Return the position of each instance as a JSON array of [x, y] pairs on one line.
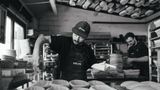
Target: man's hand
[[129, 62]]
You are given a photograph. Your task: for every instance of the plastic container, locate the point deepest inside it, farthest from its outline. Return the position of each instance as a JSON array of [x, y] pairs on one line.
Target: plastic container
[[116, 60]]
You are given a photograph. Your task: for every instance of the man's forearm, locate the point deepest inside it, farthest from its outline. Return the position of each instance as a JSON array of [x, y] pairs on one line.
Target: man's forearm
[[36, 49], [140, 59]]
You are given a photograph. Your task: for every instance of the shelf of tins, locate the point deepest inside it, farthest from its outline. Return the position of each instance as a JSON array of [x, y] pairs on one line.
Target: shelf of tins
[[154, 50]]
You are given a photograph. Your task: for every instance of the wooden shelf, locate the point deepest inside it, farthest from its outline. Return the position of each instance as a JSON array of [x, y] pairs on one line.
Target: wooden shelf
[[152, 30], [156, 38], [9, 83], [103, 49], [154, 75], [157, 47], [46, 61], [154, 57], [102, 46], [154, 66]]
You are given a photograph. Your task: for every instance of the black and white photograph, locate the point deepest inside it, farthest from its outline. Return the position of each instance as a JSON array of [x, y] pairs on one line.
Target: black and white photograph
[[79, 44]]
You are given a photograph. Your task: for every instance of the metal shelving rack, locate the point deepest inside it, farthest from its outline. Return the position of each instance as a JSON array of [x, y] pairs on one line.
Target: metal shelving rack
[[154, 50], [101, 45], [102, 51]]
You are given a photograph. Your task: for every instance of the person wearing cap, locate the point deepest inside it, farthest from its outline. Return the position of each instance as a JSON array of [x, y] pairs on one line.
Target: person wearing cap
[[137, 54], [75, 55]]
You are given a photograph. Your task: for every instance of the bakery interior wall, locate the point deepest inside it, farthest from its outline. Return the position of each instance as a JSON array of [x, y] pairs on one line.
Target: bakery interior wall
[[67, 17]]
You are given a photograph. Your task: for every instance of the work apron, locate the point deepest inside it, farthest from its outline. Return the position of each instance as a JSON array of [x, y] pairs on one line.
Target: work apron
[[74, 67]]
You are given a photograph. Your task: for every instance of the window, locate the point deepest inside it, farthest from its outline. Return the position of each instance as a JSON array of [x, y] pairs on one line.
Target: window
[[8, 34], [18, 31], [18, 36], [14, 34], [12, 30]]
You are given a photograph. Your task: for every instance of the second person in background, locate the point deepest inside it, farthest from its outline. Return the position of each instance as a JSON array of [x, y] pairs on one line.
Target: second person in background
[[137, 54]]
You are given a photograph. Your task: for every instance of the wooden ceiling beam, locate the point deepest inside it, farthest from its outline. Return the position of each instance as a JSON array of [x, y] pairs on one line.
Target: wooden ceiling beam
[[53, 5], [37, 3], [103, 22], [24, 5]]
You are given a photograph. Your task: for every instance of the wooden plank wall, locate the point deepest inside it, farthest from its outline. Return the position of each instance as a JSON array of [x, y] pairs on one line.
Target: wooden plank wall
[[68, 16]]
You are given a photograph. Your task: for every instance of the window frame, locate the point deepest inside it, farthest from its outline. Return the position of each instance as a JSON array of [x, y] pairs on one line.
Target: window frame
[[3, 16], [15, 19]]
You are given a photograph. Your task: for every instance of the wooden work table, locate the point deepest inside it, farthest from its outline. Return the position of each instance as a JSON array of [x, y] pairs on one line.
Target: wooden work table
[[120, 77]]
